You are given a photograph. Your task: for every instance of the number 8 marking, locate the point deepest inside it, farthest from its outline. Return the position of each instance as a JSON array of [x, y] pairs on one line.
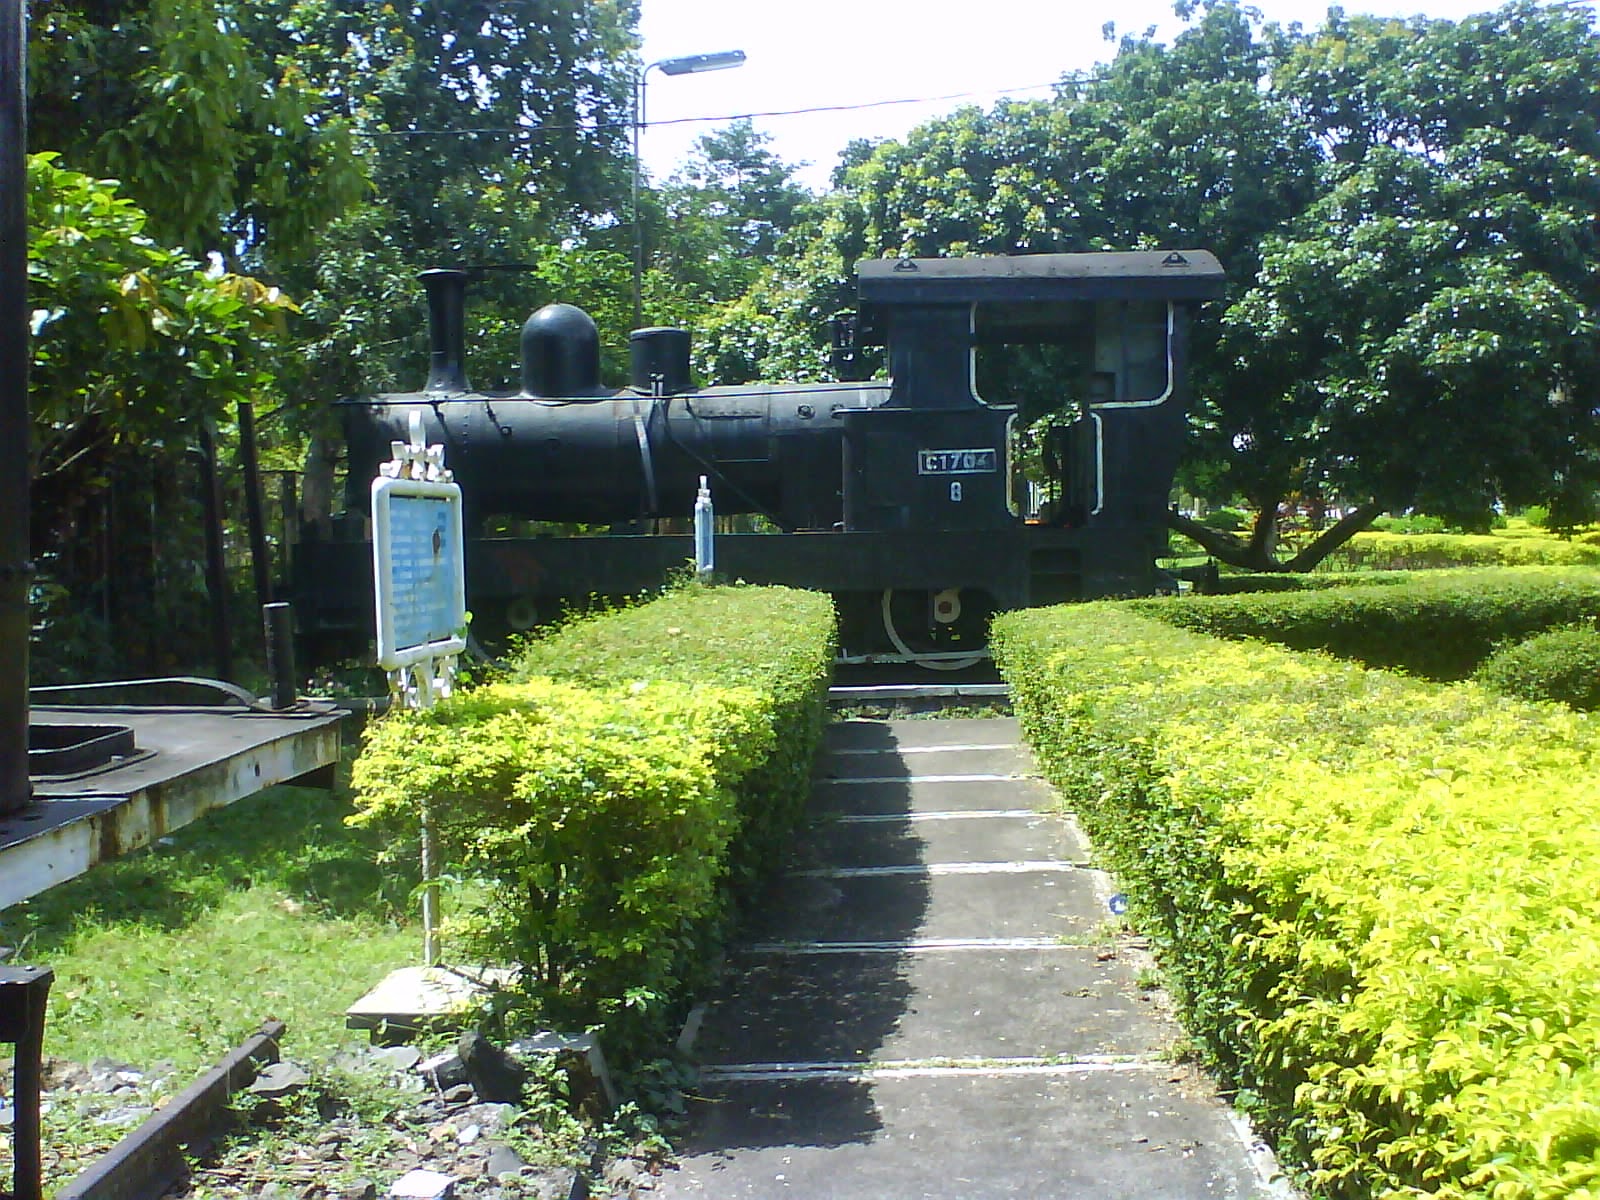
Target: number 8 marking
[[955, 491]]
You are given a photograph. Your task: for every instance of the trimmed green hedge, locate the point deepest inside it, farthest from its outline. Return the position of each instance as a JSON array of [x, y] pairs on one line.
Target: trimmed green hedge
[[1254, 583], [603, 818], [1374, 896], [1438, 625], [1414, 551], [1562, 665], [778, 641]]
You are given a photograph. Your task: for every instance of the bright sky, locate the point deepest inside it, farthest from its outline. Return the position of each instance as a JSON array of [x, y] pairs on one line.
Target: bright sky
[[812, 53]]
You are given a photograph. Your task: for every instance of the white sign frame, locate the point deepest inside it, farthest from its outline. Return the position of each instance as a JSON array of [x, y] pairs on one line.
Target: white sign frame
[[392, 657]]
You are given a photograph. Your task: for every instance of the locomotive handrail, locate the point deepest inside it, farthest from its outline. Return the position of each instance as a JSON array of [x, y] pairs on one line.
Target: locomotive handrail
[[646, 462]]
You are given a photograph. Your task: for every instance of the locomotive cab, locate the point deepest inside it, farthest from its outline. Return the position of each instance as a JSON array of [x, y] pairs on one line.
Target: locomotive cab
[[1046, 392]]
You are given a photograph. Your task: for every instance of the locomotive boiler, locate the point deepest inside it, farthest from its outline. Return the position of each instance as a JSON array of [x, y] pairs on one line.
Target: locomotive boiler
[[924, 500]]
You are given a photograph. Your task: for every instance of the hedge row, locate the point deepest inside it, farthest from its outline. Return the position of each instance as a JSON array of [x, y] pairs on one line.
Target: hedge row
[[1438, 625], [1374, 896], [778, 641], [1251, 583], [1561, 665], [1413, 551], [607, 796]]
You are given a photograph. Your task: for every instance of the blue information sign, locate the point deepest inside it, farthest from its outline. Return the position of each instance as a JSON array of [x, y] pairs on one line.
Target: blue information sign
[[419, 576]]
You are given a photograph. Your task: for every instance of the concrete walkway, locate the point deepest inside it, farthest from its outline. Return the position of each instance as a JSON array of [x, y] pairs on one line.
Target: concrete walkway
[[937, 1006]]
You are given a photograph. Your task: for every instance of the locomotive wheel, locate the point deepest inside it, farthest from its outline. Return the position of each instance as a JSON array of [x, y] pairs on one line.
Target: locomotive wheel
[[522, 614], [921, 649]]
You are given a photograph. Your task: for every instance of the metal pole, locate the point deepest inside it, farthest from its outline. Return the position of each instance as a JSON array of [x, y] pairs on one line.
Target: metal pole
[[24, 995], [277, 621], [689, 64], [638, 233], [15, 568], [216, 565], [255, 522]]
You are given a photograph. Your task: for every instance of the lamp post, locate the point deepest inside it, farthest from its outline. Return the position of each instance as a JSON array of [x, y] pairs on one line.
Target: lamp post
[[691, 64]]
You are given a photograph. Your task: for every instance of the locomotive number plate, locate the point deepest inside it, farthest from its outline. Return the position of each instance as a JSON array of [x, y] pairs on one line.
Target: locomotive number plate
[[958, 462]]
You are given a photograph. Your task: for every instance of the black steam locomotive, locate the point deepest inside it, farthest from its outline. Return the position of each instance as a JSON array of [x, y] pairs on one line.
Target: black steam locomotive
[[922, 506]]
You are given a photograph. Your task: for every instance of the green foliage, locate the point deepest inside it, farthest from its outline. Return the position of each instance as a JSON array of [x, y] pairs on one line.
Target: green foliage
[[1418, 334], [1373, 896], [1422, 550], [1247, 584], [453, 102], [135, 349], [1563, 664], [605, 814], [132, 342], [1410, 523], [1230, 519], [783, 650], [493, 136], [1440, 625], [1412, 300], [725, 214], [599, 819], [220, 140]]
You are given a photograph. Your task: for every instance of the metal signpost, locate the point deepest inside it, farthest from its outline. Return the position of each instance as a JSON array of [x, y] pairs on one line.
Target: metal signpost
[[419, 582]]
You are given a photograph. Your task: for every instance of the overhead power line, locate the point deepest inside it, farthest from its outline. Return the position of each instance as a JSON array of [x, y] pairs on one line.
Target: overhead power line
[[822, 108], [534, 130]]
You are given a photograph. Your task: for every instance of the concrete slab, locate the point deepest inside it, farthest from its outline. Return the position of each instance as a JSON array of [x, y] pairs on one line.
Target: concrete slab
[[934, 1006], [897, 839], [905, 762], [926, 1004], [937, 732], [885, 908], [412, 999], [1146, 1133], [948, 794]]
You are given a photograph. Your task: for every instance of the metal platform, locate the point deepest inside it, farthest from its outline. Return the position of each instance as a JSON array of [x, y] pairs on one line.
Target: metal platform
[[185, 761]]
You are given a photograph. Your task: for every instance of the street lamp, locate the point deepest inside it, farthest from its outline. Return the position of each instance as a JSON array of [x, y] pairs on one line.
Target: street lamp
[[690, 64]]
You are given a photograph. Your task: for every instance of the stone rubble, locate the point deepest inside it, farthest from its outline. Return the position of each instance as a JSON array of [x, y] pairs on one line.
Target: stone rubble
[[446, 1131]]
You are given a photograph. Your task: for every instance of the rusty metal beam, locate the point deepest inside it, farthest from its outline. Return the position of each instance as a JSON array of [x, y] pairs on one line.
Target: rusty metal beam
[[147, 1162], [201, 759]]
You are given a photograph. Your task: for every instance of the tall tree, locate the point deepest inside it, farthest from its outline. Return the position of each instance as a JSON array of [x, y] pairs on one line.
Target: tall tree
[[226, 148], [1425, 334], [1405, 210], [724, 214], [134, 348], [455, 96]]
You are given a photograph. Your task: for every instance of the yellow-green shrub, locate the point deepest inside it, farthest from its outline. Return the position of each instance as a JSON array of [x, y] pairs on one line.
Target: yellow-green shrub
[[1563, 665], [600, 817], [1374, 896], [777, 641], [1437, 624], [1413, 551]]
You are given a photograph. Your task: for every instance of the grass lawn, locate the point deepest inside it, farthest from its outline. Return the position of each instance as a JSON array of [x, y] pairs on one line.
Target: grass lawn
[[171, 957]]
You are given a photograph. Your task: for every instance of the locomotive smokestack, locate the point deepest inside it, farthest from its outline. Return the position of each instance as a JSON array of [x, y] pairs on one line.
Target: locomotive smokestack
[[447, 330]]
